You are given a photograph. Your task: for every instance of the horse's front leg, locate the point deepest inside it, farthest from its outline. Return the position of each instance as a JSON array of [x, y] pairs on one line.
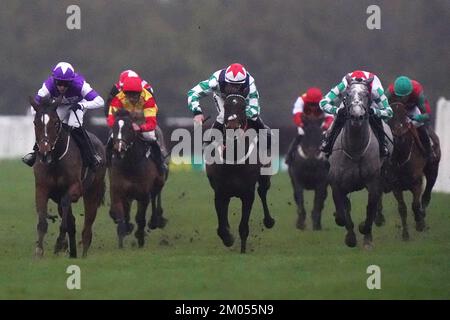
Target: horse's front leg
[[299, 201], [247, 203], [117, 210], [263, 188], [365, 227], [61, 242], [42, 225], [379, 218], [403, 212], [343, 215], [320, 195], [221, 203], [419, 212], [140, 219], [68, 223]]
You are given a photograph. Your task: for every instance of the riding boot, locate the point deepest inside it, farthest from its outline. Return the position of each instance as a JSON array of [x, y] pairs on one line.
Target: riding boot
[[90, 158], [425, 140], [30, 158], [291, 150], [216, 125], [330, 138], [259, 124], [377, 125], [157, 156], [109, 147]]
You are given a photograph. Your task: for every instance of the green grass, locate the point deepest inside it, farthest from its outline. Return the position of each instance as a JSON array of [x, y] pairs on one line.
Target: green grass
[[187, 260]]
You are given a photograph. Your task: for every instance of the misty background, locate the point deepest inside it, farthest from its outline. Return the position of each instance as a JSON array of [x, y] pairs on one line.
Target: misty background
[[286, 45]]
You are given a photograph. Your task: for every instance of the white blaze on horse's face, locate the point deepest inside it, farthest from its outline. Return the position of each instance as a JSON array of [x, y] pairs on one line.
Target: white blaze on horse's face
[[45, 120], [357, 92], [120, 123]]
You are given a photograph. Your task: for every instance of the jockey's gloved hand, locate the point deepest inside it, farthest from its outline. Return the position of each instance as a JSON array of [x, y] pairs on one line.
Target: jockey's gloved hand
[[76, 106], [199, 118], [136, 127], [371, 111]]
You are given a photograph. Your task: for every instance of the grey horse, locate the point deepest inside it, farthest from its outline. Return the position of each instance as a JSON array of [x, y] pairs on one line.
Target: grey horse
[[355, 162]]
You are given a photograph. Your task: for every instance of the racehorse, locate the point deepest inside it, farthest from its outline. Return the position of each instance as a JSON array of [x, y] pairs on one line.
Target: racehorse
[[133, 176], [237, 179], [407, 168], [309, 171], [355, 162], [60, 176]]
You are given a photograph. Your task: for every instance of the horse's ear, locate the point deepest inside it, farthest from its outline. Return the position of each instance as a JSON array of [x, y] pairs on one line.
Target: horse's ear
[[33, 103]]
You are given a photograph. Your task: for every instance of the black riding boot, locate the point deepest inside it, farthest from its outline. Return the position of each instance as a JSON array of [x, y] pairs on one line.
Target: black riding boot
[[157, 156], [109, 147], [30, 158], [377, 126], [425, 140], [291, 150], [90, 158], [259, 124], [330, 138]]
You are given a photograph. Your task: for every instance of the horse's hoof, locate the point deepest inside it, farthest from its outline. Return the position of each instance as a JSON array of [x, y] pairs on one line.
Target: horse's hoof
[[368, 245], [350, 239], [405, 235], [301, 224], [339, 221], [129, 228], [139, 234], [379, 220], [363, 229], [227, 238], [162, 222], [420, 225], [38, 252], [269, 222], [317, 227], [243, 249]]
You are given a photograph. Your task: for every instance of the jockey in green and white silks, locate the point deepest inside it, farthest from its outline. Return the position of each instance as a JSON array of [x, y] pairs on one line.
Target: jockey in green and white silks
[[379, 109], [232, 80]]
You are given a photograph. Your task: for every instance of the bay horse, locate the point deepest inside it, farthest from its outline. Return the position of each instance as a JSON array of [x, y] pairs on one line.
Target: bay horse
[[407, 168], [355, 162], [237, 179], [309, 171], [133, 175], [60, 176]]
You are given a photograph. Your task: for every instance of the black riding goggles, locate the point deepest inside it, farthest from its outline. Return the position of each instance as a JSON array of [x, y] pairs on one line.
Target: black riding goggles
[[63, 83]]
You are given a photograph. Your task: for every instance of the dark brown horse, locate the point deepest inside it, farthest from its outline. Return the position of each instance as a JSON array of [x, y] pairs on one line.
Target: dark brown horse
[[60, 176], [407, 168], [133, 175], [309, 171], [231, 177]]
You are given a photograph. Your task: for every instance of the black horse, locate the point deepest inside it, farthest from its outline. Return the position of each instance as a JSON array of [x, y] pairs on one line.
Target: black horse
[[60, 176], [133, 175], [309, 171], [230, 176]]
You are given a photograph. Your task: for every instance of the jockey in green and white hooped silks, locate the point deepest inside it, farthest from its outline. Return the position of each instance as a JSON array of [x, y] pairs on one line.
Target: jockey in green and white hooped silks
[[379, 109], [234, 79]]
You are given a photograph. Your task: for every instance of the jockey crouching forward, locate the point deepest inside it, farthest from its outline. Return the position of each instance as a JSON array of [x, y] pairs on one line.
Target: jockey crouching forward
[[378, 110], [77, 96], [135, 98], [410, 93], [232, 80], [308, 104]]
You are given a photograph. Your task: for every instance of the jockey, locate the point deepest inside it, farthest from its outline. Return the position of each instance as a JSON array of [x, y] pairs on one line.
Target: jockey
[[232, 80], [410, 93], [307, 103], [117, 87], [379, 110], [134, 97], [77, 96]]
